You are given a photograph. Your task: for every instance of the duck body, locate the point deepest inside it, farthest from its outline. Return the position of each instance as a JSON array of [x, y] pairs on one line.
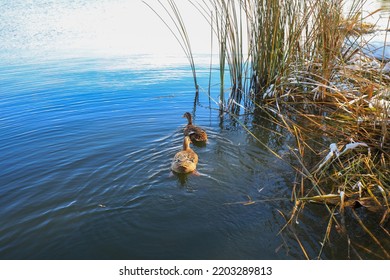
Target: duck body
[[186, 160], [195, 133]]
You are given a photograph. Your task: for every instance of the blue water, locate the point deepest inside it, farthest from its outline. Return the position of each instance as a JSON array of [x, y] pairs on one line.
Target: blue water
[[86, 141], [85, 152]]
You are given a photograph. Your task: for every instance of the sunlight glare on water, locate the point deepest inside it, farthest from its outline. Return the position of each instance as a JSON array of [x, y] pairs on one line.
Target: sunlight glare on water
[[83, 27]]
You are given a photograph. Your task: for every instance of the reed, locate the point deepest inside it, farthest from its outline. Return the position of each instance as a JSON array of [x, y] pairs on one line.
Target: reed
[[175, 23], [299, 62]]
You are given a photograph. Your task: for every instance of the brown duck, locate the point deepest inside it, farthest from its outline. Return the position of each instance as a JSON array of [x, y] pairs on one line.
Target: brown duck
[[185, 161], [195, 133]]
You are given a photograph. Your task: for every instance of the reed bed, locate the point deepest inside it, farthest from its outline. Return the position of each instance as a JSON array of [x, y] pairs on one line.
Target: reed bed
[[300, 63]]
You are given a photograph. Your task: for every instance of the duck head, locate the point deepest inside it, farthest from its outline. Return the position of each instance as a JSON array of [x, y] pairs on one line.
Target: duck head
[[188, 116]]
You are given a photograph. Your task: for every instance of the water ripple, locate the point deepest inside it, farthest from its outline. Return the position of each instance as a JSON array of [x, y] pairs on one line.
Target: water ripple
[[88, 161]]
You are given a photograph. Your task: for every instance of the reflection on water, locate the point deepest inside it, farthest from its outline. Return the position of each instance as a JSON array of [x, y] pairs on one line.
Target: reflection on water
[[86, 144]]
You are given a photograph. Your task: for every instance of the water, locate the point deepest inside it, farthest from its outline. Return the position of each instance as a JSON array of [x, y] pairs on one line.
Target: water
[[87, 135], [86, 152]]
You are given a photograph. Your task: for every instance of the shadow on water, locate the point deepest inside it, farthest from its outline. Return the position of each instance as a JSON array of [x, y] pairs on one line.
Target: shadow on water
[[183, 179]]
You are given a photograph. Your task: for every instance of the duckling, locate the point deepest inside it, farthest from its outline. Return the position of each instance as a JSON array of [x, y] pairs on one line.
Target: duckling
[[185, 161], [194, 132]]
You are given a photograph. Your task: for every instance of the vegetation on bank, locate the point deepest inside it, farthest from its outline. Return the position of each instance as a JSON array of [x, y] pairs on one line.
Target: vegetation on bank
[[302, 64]]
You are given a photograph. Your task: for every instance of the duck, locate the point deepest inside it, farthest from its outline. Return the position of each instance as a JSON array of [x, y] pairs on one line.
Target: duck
[[195, 133], [186, 160]]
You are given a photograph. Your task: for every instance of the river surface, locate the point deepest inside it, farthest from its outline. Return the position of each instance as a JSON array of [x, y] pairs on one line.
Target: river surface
[[88, 130]]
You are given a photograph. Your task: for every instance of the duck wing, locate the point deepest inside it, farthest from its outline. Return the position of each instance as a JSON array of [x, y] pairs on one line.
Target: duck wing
[[186, 157], [195, 133]]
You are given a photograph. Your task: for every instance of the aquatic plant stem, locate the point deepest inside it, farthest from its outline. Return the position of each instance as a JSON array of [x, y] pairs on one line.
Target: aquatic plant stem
[[181, 34]]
